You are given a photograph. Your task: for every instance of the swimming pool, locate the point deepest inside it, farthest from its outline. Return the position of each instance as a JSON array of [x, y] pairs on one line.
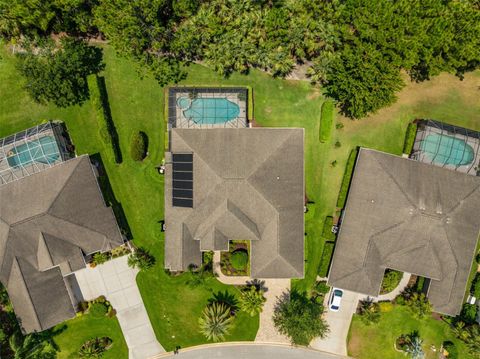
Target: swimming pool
[[447, 150], [208, 110], [43, 150]]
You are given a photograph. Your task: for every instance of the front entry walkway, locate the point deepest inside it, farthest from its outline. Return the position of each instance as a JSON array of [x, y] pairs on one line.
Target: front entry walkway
[[274, 289], [116, 281]]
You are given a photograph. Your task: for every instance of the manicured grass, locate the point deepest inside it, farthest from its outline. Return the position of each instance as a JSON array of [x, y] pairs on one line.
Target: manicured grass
[[376, 340], [75, 332], [138, 105], [327, 115]]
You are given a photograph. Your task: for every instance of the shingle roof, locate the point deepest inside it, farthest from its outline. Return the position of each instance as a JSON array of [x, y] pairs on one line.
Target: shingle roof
[[247, 184], [409, 216], [46, 221]]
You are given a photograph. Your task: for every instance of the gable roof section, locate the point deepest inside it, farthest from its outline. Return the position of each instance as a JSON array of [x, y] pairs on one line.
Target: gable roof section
[[248, 184], [47, 222], [409, 216]]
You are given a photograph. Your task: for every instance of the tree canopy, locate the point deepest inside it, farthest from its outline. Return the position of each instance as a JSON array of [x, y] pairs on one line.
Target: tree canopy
[[59, 74], [356, 49]]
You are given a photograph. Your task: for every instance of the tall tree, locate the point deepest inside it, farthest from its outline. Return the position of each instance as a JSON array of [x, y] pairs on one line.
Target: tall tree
[[59, 74]]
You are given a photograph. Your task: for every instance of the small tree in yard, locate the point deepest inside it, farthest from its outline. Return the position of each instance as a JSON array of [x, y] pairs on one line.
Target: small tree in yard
[[369, 311], [412, 345], [251, 300], [300, 318], [216, 321], [419, 305], [141, 259]]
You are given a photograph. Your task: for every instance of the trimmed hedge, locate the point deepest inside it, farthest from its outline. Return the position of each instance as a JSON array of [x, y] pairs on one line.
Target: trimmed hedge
[[410, 138], [347, 176], [475, 288], [99, 98], [327, 229], [138, 149], [239, 259], [326, 259], [327, 116]]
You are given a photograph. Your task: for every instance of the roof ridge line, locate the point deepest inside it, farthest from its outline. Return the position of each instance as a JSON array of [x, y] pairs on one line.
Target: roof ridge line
[[28, 291], [67, 180]]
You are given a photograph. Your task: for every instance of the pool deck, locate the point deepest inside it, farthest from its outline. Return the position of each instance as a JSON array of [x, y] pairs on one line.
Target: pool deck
[[238, 122], [9, 173], [419, 154]]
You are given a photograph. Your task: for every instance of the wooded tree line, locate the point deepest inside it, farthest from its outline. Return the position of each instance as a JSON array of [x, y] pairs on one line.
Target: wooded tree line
[[356, 49]]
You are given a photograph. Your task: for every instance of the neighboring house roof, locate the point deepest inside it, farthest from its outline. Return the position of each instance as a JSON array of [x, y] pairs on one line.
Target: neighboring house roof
[[412, 217], [247, 184], [46, 221]]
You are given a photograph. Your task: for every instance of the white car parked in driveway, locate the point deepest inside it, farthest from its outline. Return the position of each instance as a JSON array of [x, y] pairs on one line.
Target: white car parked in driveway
[[335, 299]]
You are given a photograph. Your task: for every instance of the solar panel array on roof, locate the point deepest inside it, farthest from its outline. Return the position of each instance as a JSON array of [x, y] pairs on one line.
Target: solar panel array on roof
[[182, 194]]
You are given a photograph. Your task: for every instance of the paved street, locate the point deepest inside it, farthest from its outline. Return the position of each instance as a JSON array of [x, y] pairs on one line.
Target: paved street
[[250, 351], [116, 281], [339, 322]]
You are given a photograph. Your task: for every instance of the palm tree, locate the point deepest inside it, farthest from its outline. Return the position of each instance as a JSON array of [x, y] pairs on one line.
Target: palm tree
[[368, 311], [141, 258], [31, 346], [413, 346], [216, 321], [251, 301], [95, 348]]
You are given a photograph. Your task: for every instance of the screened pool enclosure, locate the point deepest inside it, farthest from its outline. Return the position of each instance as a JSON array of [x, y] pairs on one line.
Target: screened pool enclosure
[[207, 107], [32, 151], [448, 146]]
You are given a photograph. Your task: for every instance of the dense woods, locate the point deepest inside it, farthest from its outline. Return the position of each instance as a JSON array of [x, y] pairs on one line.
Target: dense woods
[[354, 49]]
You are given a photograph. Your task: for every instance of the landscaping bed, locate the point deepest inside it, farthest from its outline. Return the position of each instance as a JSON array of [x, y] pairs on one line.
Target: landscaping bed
[[236, 262]]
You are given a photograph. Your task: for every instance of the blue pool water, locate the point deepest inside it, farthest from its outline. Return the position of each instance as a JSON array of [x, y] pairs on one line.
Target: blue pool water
[[208, 110], [447, 150], [44, 150]]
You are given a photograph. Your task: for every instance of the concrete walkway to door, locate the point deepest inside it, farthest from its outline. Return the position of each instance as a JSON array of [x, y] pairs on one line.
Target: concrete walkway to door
[[116, 281]]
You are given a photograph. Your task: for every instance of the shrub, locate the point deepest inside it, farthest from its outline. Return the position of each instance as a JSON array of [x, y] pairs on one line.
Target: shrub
[[369, 311], [468, 315], [251, 300], [94, 348], [100, 258], [327, 229], [326, 259], [239, 259], [420, 283], [300, 318], [451, 350], [385, 307], [338, 144], [101, 105], [322, 287], [477, 258], [98, 310], [216, 321], [419, 305], [138, 148], [475, 288], [141, 259], [339, 126], [327, 114], [410, 138], [391, 279], [347, 176]]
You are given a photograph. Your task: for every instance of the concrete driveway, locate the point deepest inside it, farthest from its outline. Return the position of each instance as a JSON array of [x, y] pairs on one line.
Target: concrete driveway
[[116, 281], [248, 351], [339, 322]]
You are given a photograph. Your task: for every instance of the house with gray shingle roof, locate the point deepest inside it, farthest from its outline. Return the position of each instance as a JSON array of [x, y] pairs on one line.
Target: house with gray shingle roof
[[227, 184], [49, 222], [412, 217]]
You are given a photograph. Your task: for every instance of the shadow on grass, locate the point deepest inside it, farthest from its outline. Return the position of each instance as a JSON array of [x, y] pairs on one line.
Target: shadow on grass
[[109, 196]]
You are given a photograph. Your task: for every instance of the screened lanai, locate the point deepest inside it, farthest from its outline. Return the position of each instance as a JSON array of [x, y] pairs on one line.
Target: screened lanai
[[207, 107], [33, 150], [447, 146]]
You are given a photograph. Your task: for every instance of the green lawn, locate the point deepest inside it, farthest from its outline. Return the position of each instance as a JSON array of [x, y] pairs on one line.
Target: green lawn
[[75, 332], [137, 105], [376, 341]]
